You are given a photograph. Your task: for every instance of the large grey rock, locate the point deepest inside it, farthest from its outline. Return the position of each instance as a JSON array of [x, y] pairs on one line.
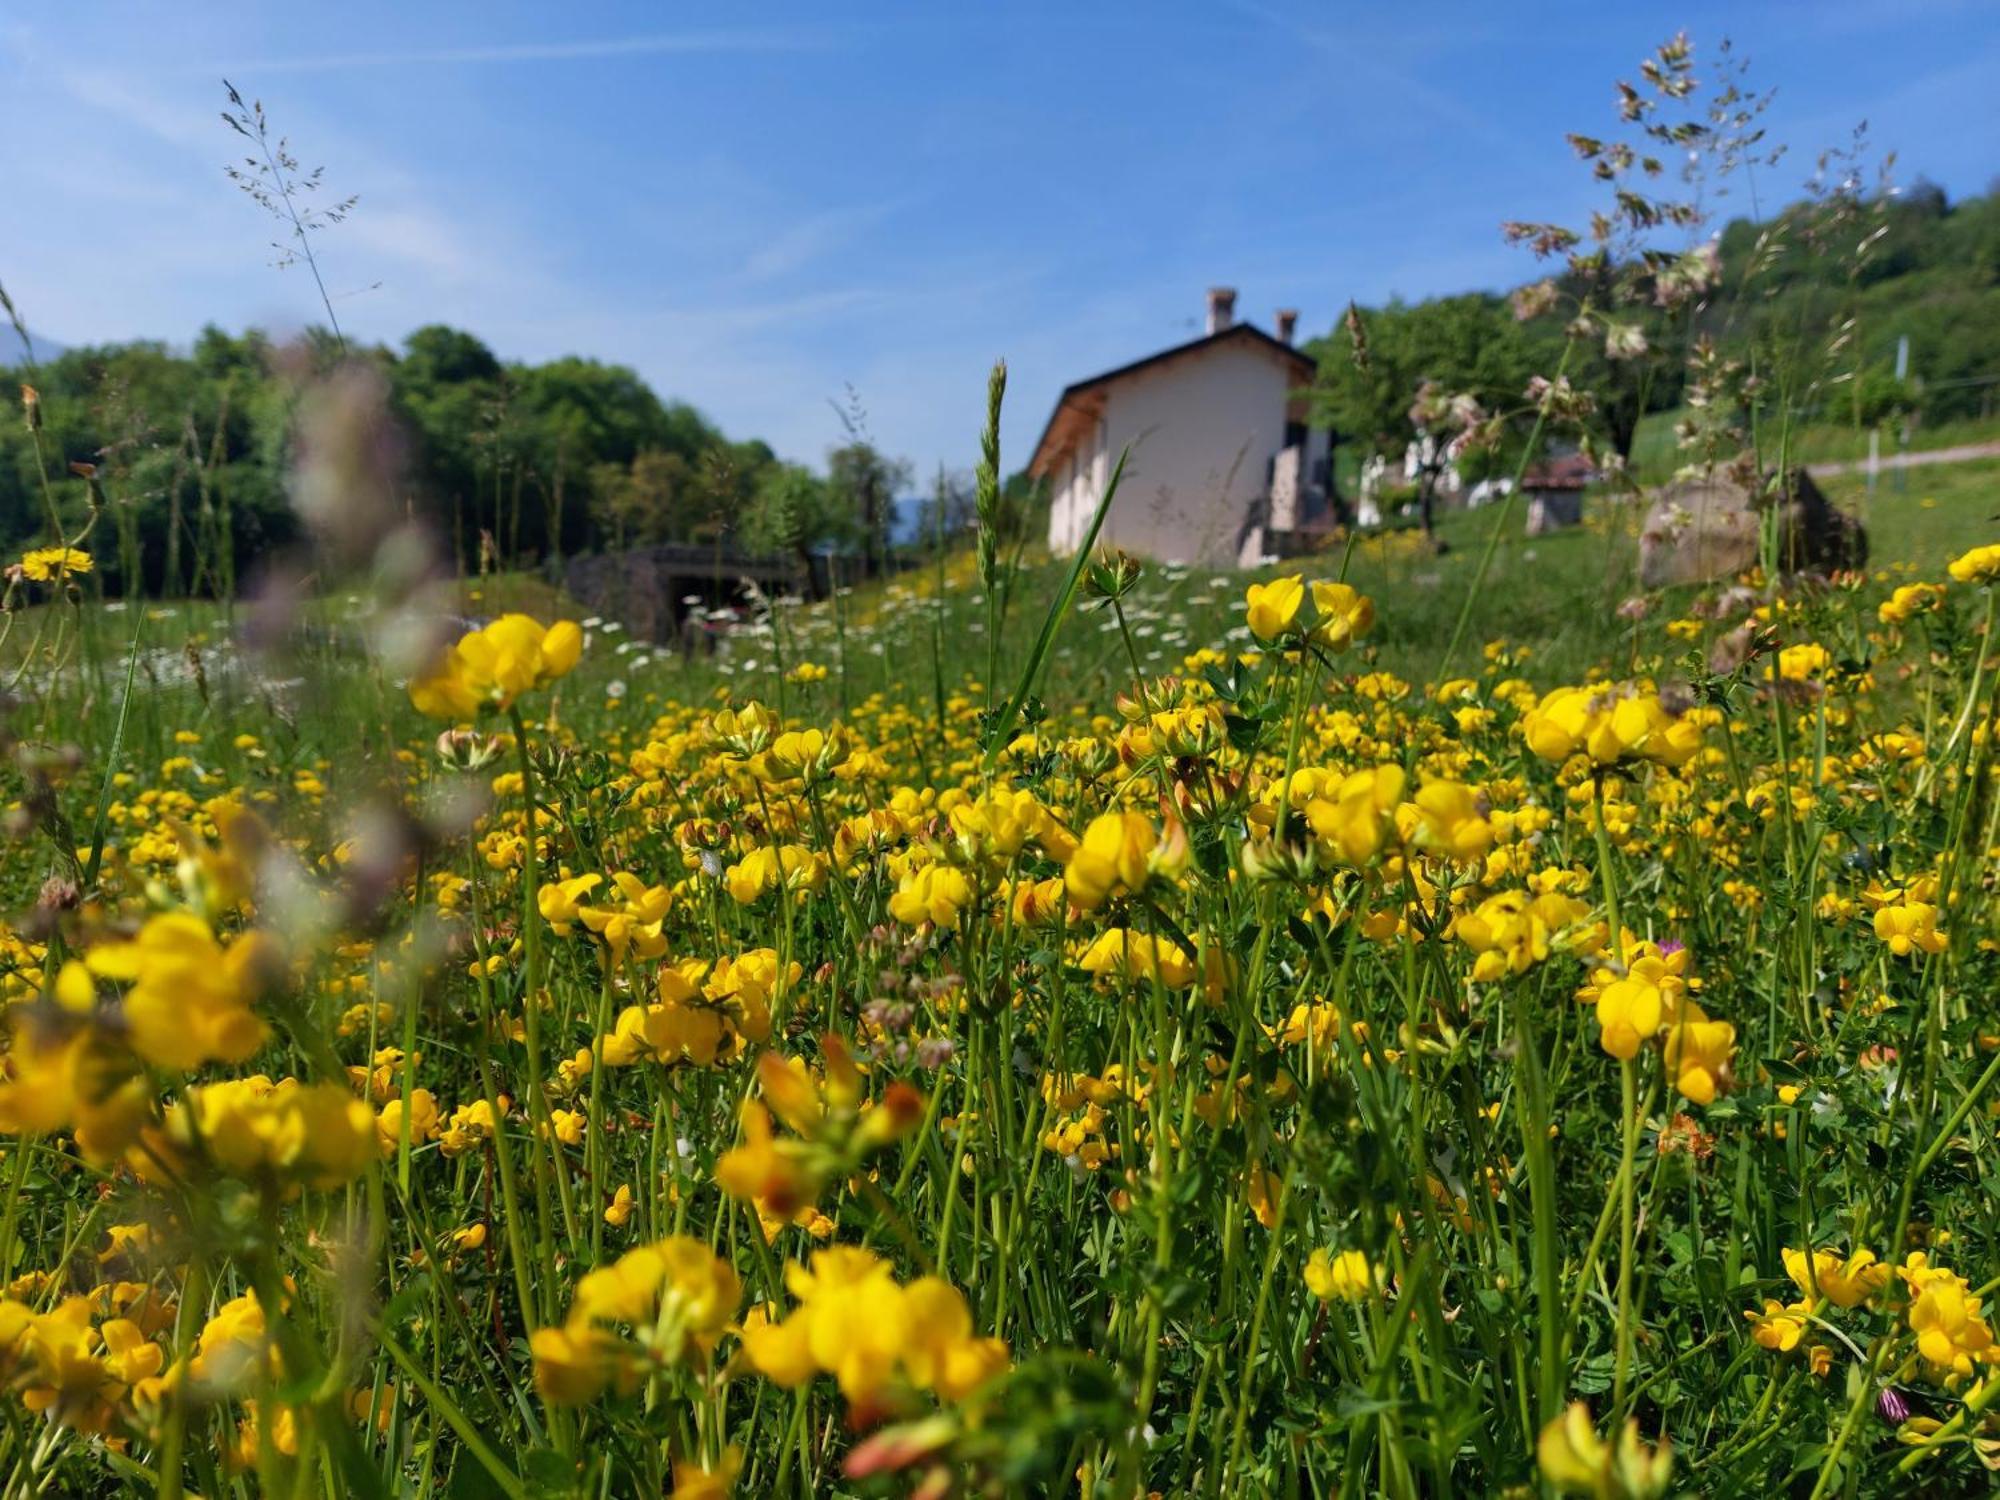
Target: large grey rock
[[1711, 527]]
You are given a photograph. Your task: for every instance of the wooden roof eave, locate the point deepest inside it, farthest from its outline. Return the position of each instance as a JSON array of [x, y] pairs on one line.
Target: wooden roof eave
[[1074, 422]]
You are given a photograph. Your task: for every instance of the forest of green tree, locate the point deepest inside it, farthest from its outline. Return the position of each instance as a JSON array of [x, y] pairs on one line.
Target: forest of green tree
[[188, 451], [512, 463], [1820, 307]]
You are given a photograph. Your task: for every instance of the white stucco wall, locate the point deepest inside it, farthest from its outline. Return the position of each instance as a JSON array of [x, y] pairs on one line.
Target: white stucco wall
[[1202, 430], [1075, 488]]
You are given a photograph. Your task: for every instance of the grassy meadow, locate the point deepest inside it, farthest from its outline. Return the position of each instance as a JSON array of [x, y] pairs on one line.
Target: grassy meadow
[[1430, 1018], [1222, 1046]]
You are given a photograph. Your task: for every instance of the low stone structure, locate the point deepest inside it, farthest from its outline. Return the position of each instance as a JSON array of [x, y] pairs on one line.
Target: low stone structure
[[646, 588], [1712, 527]]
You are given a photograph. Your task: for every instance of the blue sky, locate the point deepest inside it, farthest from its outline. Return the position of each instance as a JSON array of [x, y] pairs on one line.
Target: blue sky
[[758, 207]]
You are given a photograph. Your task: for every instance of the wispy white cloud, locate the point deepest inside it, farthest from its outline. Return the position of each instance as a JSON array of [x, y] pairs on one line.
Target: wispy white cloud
[[773, 234], [1964, 79], [141, 153], [799, 245], [413, 236], [654, 45], [1358, 57], [115, 94]]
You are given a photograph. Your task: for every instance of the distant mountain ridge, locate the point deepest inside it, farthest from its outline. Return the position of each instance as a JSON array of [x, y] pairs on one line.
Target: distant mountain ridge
[[13, 352]]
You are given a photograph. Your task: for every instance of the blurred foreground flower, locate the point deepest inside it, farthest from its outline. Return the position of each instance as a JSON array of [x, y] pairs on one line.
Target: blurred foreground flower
[[1576, 1461]]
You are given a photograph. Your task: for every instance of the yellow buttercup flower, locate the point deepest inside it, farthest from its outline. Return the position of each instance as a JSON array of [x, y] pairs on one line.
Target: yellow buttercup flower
[[191, 996], [571, 1365], [676, 1297], [1952, 1334], [1512, 931], [1343, 615], [1778, 1328], [67, 1073], [561, 901], [717, 1481], [1980, 566], [233, 1345], [743, 732], [1609, 726], [1354, 817], [998, 824], [1037, 903], [801, 754], [1272, 608], [1118, 854], [279, 1136], [943, 1353], [1576, 1461], [934, 894], [1347, 1275], [1806, 662], [632, 922], [1910, 600], [493, 666], [1630, 1012], [1698, 1053], [1135, 956], [1909, 927], [672, 1031], [46, 564], [424, 1122], [74, 1372], [779, 1351], [1845, 1281], [837, 1127], [789, 867], [1447, 818], [854, 1322]]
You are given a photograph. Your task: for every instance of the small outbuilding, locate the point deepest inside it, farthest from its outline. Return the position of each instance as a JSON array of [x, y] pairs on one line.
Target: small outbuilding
[[1555, 492]]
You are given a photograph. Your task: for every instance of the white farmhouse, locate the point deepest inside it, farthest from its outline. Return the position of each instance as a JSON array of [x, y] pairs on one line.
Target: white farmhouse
[[1223, 466]]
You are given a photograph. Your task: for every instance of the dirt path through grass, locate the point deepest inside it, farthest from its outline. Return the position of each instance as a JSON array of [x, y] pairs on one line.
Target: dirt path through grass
[[1963, 453]]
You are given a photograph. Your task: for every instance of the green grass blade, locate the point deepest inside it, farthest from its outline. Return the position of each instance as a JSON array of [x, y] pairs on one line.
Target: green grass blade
[[111, 760], [508, 1481], [1052, 621]]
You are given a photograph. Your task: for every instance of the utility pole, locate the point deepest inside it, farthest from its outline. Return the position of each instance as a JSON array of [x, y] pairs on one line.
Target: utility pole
[[1903, 433]]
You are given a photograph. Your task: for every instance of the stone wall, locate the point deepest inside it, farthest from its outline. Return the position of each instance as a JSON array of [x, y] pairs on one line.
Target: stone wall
[[644, 588]]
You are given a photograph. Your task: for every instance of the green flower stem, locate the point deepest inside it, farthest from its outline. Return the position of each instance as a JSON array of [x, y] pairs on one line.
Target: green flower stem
[[542, 1145], [510, 1197], [1622, 1359], [593, 1155], [1551, 1331], [1249, 1367]]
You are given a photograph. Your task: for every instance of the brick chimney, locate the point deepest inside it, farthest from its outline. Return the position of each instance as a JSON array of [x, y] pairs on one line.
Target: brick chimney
[[1221, 307], [1287, 320]]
